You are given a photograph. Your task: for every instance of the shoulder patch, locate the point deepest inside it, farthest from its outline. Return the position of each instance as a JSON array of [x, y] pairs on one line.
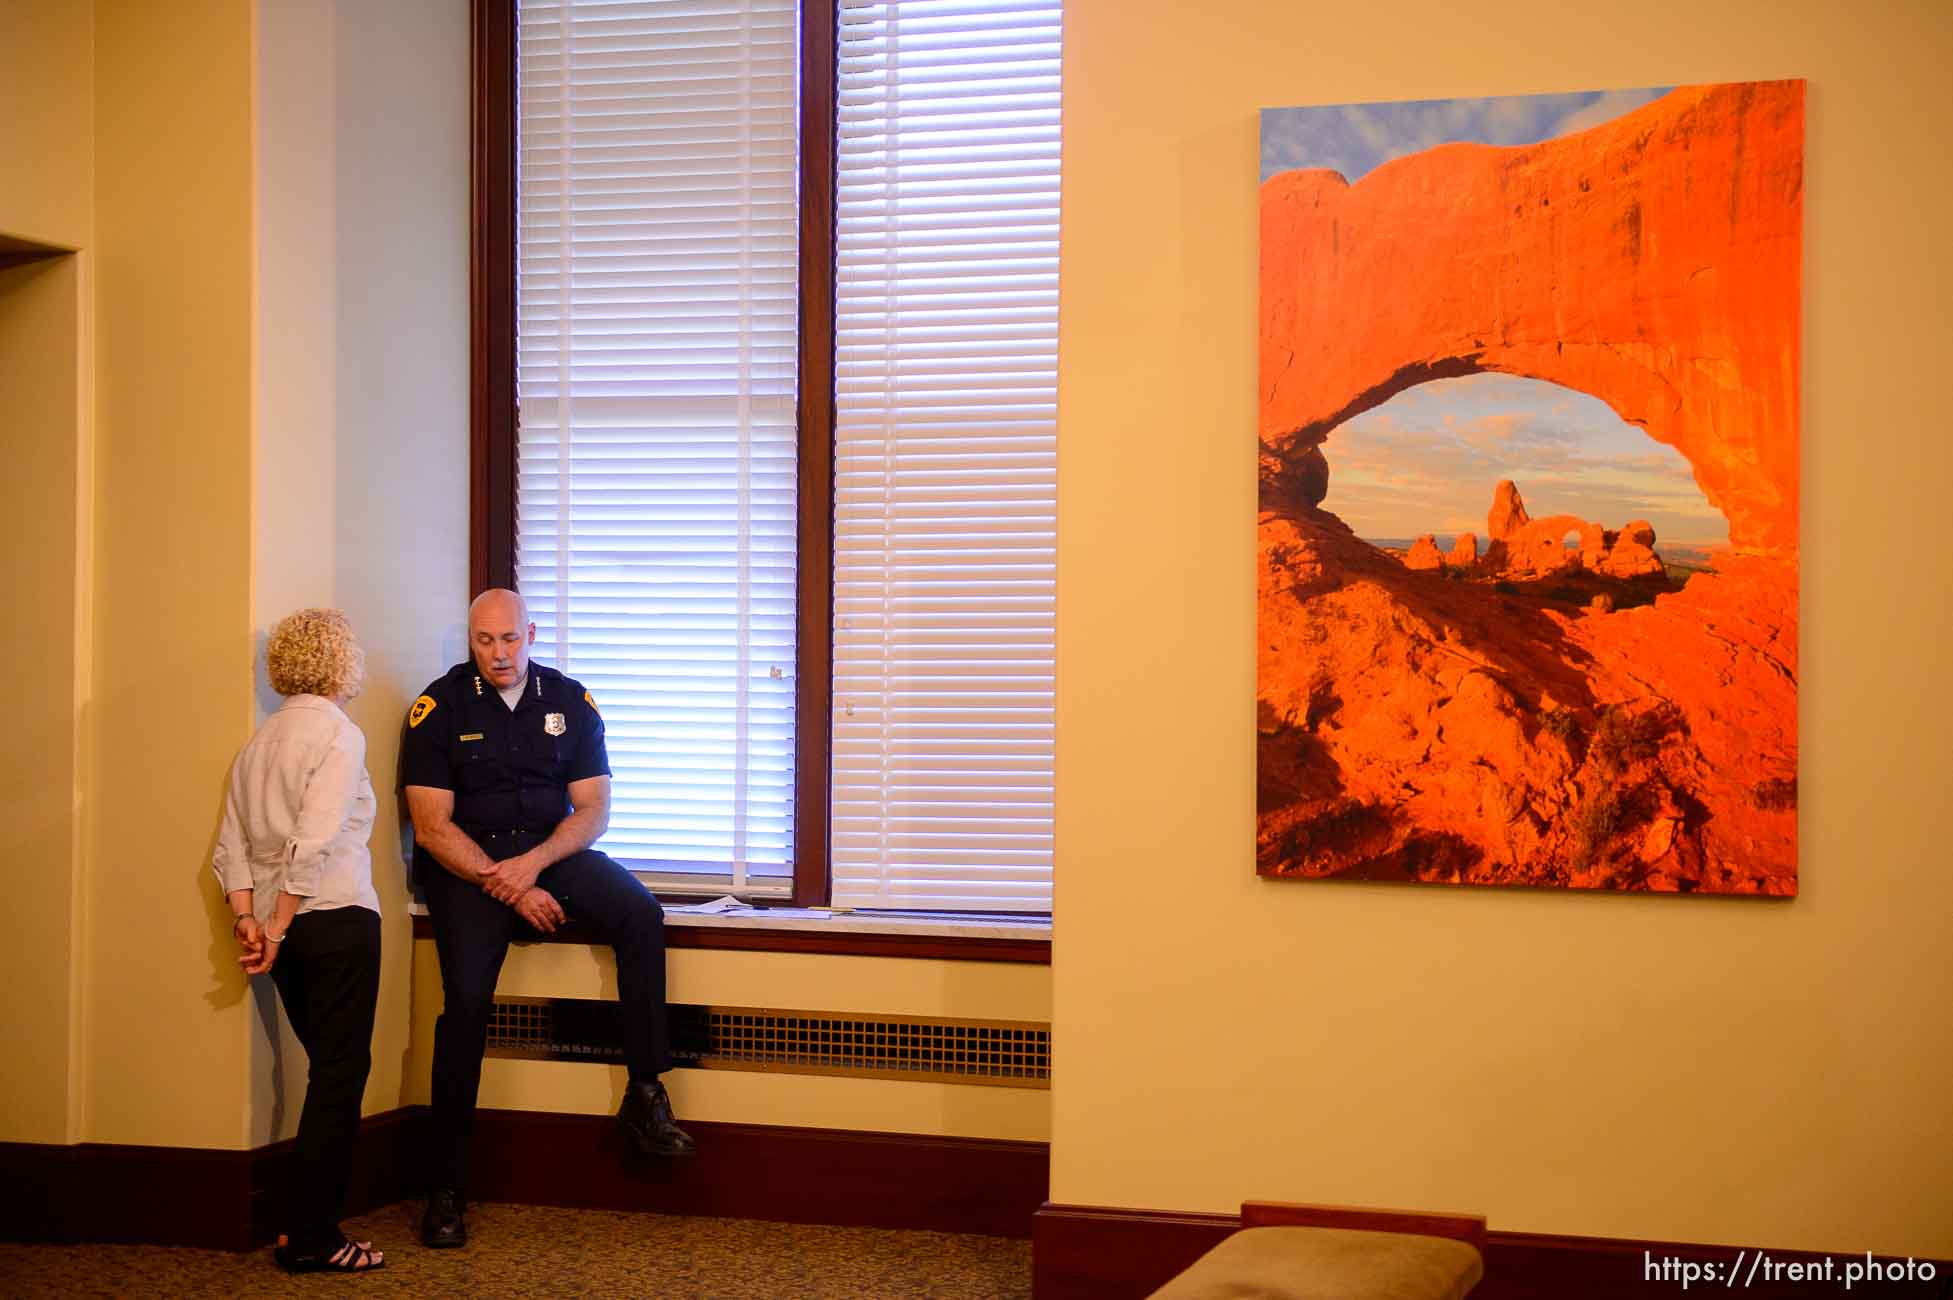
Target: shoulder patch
[[422, 707], [591, 700]]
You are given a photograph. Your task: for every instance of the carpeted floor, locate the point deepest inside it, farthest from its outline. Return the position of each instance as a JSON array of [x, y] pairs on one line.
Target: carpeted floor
[[530, 1250]]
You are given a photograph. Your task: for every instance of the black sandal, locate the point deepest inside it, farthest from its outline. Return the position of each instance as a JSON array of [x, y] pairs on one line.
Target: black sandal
[[346, 1257]]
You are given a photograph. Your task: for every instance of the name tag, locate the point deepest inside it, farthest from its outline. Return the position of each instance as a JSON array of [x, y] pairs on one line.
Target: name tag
[[473, 735]]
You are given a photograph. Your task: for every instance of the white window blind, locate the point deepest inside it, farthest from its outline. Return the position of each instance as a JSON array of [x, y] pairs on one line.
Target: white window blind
[[656, 305], [945, 453]]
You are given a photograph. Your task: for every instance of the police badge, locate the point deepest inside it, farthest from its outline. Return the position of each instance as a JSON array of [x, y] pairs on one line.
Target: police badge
[[553, 724]]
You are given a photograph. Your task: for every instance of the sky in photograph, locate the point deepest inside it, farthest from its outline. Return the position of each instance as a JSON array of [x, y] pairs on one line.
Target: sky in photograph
[[1427, 460], [1357, 138]]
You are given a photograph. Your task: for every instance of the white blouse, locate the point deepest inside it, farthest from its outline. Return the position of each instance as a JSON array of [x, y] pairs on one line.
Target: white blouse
[[300, 812]]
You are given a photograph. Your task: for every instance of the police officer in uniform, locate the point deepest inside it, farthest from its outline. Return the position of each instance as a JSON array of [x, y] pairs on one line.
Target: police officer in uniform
[[508, 785]]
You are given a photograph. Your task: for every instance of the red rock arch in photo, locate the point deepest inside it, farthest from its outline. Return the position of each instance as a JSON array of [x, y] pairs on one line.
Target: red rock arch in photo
[[1652, 262]]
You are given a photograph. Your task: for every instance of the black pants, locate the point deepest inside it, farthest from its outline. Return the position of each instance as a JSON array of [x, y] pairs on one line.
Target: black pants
[[328, 977], [472, 933]]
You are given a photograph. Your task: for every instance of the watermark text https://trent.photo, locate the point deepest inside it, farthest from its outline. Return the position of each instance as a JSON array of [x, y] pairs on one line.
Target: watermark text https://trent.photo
[[1751, 1267]]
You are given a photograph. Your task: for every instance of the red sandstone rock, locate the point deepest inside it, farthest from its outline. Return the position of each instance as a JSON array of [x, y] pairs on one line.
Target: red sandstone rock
[[1633, 553], [1539, 549], [1653, 261], [1447, 731], [1312, 477], [1424, 554], [1594, 542], [1464, 551], [1536, 548], [1659, 839], [1508, 514]]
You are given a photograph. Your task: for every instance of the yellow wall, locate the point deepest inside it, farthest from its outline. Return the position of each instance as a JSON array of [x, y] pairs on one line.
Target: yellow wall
[[361, 402], [46, 197], [40, 406], [166, 1039], [47, 121], [1699, 1069]]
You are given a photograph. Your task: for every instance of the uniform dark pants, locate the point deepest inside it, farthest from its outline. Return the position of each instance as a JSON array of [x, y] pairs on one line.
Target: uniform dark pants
[[328, 977], [472, 933]]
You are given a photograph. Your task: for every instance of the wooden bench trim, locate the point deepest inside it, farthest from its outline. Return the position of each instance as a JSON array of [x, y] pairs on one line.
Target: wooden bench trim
[[1468, 1228]]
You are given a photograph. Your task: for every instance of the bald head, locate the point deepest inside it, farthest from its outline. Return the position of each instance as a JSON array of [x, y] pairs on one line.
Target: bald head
[[499, 636], [499, 599]]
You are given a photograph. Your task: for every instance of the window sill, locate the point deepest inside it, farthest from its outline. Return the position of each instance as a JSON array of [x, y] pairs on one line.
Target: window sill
[[787, 929]]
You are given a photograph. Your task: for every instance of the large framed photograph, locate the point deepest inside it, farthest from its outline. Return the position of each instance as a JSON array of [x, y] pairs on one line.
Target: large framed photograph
[[1529, 490]]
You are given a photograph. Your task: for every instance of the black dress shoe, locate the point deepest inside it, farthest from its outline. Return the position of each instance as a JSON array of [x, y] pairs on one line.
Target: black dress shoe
[[442, 1226], [646, 1118]]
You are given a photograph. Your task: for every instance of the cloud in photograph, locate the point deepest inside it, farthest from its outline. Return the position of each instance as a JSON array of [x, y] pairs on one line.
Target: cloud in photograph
[[1354, 139], [1427, 462]]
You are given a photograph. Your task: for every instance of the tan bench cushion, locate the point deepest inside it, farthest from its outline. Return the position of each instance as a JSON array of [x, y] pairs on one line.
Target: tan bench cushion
[[1328, 1264]]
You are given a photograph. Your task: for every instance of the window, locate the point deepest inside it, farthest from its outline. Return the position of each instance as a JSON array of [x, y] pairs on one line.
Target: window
[[656, 298], [774, 293], [945, 462]]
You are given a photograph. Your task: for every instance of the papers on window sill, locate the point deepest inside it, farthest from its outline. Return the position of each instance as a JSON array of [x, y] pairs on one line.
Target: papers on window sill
[[725, 903]]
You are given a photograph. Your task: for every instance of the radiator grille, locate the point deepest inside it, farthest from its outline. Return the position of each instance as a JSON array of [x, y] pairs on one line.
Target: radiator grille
[[998, 1053]]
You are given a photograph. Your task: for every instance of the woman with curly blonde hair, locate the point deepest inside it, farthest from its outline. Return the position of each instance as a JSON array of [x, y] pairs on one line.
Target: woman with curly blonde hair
[[293, 860]]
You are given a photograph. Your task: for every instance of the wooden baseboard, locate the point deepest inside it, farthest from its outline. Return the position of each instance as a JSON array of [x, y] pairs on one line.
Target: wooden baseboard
[[181, 1196], [1081, 1252], [755, 1171], [106, 1192], [385, 1162], [231, 1200]]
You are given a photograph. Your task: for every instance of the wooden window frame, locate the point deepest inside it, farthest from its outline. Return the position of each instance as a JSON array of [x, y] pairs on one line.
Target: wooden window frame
[[492, 394]]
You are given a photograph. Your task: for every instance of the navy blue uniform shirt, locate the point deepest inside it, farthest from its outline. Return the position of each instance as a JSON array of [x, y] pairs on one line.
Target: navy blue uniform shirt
[[510, 769]]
